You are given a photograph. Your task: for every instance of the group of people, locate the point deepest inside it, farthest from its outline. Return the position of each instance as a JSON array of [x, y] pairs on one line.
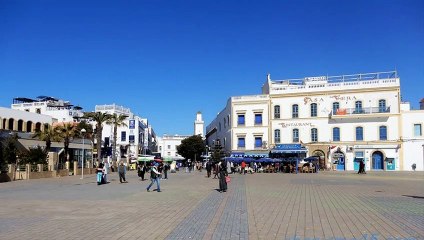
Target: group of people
[[103, 170]]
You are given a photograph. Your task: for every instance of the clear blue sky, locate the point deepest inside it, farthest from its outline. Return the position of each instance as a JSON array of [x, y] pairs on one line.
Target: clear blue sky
[[166, 60]]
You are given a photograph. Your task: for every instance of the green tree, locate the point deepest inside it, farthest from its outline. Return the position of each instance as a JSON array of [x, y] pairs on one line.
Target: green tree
[[34, 156], [217, 153], [10, 150], [49, 135], [99, 118], [116, 121], [191, 147], [67, 132]]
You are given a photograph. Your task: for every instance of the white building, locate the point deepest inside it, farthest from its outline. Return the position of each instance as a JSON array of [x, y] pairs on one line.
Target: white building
[[343, 119], [137, 137], [23, 121], [61, 110], [168, 145]]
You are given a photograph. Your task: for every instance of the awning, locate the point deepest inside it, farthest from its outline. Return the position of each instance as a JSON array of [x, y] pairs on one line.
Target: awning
[[288, 151], [250, 154]]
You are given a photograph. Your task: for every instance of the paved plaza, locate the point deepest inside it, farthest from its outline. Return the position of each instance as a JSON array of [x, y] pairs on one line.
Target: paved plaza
[[329, 205]]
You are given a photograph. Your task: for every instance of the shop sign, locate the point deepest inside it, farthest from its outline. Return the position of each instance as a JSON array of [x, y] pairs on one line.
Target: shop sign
[[296, 124]]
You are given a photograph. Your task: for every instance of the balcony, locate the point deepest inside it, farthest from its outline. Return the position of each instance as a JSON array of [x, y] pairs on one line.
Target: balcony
[[357, 112]]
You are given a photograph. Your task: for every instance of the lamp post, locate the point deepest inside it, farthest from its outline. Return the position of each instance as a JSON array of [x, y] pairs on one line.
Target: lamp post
[[83, 153]]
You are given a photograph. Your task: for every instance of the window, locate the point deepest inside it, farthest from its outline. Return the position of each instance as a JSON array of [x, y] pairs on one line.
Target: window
[[358, 107], [160, 148], [169, 146], [240, 120], [277, 111], [382, 105], [417, 130], [131, 138], [295, 135], [169, 153], [38, 110], [258, 142], [123, 136], [336, 134], [295, 111], [336, 106], [225, 123], [359, 134], [383, 133], [277, 136], [258, 118], [314, 135], [314, 110], [220, 127], [241, 142]]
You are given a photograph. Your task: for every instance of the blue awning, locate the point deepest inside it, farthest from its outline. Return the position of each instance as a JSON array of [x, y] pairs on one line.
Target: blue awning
[[289, 151]]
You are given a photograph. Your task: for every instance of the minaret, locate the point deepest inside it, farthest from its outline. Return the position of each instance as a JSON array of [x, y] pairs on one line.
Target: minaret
[[198, 125]]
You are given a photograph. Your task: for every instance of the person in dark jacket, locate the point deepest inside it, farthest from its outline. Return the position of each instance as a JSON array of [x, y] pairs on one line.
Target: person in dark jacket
[[99, 173], [122, 169], [222, 168]]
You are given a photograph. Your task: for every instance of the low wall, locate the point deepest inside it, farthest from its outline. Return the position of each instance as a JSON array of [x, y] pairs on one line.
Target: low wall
[[45, 174], [62, 173], [86, 171]]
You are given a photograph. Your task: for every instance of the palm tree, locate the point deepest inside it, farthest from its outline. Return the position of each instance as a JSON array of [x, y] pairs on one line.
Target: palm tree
[[67, 132], [99, 118], [49, 135], [117, 121]]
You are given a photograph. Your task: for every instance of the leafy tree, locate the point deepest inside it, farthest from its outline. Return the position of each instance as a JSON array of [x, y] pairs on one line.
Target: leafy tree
[[49, 135], [116, 121], [191, 147], [217, 153], [99, 118], [10, 150], [34, 156]]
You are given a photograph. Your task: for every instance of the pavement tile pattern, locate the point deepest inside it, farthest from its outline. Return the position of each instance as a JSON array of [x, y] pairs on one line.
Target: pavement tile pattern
[[328, 205]]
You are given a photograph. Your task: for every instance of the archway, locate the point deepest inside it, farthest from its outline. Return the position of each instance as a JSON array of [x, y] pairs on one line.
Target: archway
[[29, 126], [11, 124], [4, 124], [377, 161], [20, 125], [321, 155], [38, 127]]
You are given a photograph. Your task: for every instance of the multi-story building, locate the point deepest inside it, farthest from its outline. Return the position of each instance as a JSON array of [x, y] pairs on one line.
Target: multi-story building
[[137, 137], [342, 119], [60, 110], [168, 145]]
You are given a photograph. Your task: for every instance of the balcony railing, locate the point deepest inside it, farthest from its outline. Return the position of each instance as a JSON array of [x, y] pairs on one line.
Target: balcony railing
[[355, 111]]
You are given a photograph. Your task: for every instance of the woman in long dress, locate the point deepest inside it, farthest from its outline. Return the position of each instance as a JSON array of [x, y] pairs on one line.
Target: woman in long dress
[[222, 176]]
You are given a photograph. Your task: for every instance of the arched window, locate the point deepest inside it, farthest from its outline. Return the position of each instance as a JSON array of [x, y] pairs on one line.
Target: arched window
[[295, 111], [382, 105], [383, 133], [336, 106], [359, 134], [38, 127], [314, 135], [277, 136], [336, 134], [295, 135], [277, 111], [314, 109], [29, 126], [11, 123]]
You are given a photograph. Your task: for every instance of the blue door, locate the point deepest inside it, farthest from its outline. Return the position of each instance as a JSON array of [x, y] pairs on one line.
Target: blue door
[[356, 163], [377, 161], [341, 164]]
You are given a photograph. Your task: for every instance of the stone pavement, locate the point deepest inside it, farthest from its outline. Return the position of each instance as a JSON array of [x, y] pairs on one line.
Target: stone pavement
[[329, 205]]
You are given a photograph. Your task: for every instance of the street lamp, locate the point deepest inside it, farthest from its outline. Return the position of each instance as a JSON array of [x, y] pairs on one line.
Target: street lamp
[[83, 155]]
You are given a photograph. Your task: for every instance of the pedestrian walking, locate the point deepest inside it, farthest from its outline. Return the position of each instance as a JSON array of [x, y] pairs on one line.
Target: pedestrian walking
[[243, 167], [209, 168], [165, 170], [122, 170], [99, 174], [222, 166], [143, 171], [105, 171], [154, 177], [215, 170]]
